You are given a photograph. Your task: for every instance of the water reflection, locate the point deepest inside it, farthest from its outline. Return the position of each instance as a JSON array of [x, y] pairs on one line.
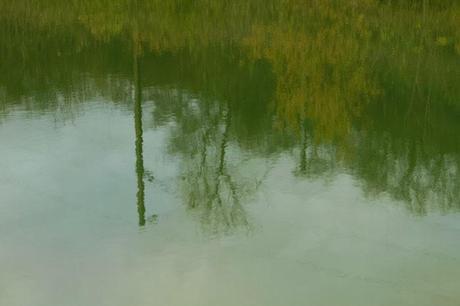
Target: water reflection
[[208, 184], [140, 172], [303, 152], [340, 91]]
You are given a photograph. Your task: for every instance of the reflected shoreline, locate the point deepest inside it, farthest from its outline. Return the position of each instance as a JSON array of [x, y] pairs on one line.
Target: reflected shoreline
[[338, 90]]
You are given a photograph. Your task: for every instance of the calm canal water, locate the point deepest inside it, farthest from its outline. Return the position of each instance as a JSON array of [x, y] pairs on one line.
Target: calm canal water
[[229, 153]]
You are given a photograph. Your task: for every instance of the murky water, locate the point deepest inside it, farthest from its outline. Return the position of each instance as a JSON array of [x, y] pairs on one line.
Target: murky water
[[229, 153]]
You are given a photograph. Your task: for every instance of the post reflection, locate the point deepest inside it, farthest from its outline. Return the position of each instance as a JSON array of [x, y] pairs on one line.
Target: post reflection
[[140, 195]]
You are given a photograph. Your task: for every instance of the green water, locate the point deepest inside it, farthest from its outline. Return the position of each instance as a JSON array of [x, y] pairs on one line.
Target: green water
[[229, 152]]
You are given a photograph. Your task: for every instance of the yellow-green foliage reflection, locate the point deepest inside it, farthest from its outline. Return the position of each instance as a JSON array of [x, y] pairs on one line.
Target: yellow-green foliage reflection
[[373, 83]]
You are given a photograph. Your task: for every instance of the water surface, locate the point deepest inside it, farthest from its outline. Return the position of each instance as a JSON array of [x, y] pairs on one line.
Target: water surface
[[229, 153]]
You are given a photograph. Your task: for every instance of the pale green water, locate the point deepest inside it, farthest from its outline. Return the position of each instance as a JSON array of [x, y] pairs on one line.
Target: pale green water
[[229, 153]]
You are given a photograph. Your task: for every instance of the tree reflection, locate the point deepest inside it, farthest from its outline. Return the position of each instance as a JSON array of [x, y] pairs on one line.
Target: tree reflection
[[209, 185], [365, 87]]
